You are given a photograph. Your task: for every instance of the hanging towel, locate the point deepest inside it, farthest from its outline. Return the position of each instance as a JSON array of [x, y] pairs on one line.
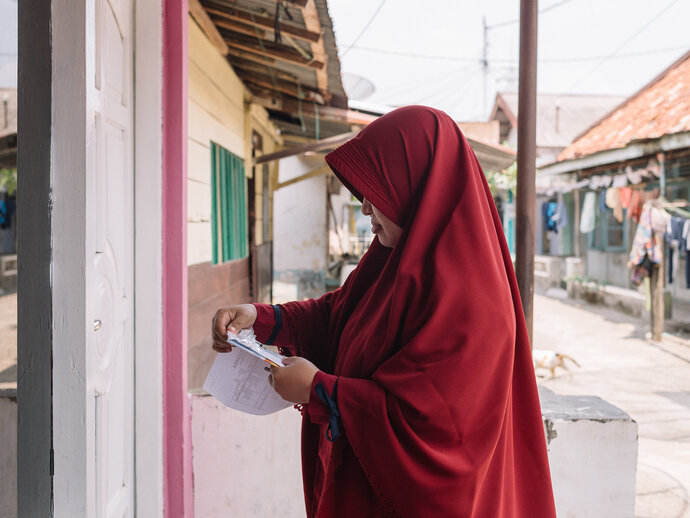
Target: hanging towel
[[635, 205], [625, 194], [676, 243], [613, 201], [588, 216], [561, 215]]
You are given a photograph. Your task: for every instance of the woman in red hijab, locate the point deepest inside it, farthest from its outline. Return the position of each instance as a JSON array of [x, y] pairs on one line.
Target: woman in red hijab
[[416, 375]]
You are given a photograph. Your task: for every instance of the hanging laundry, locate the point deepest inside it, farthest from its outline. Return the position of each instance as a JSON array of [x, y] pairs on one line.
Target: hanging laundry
[[686, 237], [625, 194], [588, 217], [600, 181], [613, 201], [635, 177], [560, 218], [551, 208], [635, 205], [620, 180], [676, 243], [646, 249], [602, 201]]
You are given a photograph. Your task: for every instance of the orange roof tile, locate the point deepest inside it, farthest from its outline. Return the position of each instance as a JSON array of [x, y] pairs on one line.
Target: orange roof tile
[[660, 108]]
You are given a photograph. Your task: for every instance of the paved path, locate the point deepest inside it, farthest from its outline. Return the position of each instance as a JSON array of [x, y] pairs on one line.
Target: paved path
[[8, 340], [650, 382]]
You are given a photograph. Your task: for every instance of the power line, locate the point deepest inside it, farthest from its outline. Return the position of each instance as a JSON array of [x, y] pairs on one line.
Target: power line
[[541, 11], [514, 60], [610, 56], [378, 9]]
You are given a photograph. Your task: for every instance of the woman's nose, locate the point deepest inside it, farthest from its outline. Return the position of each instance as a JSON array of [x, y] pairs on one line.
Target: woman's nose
[[366, 207]]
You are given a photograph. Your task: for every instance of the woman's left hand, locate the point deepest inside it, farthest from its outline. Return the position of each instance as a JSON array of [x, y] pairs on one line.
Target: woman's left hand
[[293, 381]]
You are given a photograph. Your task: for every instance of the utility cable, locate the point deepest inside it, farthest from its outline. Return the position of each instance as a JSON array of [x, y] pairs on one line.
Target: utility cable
[[373, 17], [541, 11], [612, 54]]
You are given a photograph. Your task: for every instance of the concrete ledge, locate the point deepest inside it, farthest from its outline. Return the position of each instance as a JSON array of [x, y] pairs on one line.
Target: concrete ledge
[[592, 448], [8, 452], [628, 301]]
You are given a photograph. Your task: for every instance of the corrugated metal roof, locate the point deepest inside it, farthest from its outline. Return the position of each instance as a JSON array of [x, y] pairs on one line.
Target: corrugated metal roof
[[660, 108], [560, 117]]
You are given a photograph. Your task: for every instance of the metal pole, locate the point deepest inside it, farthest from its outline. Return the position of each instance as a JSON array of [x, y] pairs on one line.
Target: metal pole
[[485, 63], [527, 150]]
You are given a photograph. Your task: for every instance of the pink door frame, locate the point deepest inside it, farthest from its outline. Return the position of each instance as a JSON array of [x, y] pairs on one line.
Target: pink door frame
[[177, 432]]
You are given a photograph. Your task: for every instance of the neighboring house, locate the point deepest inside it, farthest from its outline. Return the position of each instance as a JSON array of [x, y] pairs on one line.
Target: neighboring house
[[8, 206], [330, 230], [645, 144], [560, 118]]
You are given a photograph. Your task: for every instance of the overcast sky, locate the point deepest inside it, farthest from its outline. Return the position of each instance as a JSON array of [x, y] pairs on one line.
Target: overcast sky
[[585, 46], [639, 37]]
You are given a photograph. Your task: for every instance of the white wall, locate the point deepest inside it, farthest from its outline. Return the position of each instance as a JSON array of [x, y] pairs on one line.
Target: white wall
[[592, 449], [300, 227], [216, 113], [245, 465]]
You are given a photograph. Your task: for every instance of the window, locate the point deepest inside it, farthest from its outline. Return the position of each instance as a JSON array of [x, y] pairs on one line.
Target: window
[[228, 205], [609, 234]]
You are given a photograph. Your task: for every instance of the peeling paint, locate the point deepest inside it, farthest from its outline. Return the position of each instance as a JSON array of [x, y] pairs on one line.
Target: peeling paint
[[551, 433]]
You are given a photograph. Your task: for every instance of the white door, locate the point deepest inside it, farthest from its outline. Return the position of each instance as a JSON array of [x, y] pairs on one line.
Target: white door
[[111, 362]]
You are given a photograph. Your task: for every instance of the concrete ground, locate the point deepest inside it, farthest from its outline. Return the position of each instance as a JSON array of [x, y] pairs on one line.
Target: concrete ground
[[651, 382], [8, 340]]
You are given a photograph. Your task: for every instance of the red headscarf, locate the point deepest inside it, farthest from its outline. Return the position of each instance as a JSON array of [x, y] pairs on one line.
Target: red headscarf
[[436, 388]]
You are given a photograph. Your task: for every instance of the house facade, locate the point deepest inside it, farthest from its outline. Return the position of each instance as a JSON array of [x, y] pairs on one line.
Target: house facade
[[643, 147]]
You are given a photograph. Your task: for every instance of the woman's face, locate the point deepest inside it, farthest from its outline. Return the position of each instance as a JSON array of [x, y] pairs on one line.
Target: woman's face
[[388, 232]]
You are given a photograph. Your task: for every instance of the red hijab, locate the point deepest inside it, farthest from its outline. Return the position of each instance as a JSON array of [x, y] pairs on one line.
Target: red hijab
[[436, 388]]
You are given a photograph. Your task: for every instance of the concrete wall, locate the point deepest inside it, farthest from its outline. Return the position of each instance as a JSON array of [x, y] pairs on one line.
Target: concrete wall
[[8, 453], [610, 267], [592, 449], [245, 465], [300, 228]]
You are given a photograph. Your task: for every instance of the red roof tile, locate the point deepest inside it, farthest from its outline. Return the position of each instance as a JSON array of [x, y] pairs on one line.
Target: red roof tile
[[660, 108]]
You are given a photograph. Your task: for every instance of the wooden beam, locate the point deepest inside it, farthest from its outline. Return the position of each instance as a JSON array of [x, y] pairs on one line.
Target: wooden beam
[[311, 174], [252, 67], [318, 51], [264, 22], [292, 108], [209, 29], [241, 28], [300, 3], [288, 56], [319, 145], [249, 56], [285, 87]]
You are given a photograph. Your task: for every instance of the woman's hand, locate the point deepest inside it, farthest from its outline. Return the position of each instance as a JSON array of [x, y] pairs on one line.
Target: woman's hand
[[233, 319], [293, 382]]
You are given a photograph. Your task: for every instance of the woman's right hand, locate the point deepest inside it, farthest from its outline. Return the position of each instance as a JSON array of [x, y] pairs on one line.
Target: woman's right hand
[[233, 319]]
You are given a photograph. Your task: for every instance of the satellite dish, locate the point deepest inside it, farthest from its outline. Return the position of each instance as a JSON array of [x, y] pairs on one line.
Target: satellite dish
[[357, 87]]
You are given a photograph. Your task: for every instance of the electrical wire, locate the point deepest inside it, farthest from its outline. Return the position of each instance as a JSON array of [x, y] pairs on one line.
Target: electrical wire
[[510, 60], [541, 11], [373, 17], [612, 54]]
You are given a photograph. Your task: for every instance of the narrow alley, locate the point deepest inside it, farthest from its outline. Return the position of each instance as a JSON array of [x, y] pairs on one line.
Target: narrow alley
[[648, 381]]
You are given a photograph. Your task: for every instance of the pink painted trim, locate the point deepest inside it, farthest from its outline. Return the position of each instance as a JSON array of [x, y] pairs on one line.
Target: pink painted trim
[[177, 430]]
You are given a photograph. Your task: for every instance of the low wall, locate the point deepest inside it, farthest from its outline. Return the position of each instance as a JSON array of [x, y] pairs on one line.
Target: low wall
[[250, 466], [8, 453], [592, 449], [245, 465]]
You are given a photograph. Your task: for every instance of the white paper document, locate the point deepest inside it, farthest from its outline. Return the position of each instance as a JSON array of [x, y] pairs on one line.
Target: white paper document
[[239, 380]]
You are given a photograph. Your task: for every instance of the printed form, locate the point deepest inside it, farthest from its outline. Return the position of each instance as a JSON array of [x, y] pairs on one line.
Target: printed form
[[239, 380]]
